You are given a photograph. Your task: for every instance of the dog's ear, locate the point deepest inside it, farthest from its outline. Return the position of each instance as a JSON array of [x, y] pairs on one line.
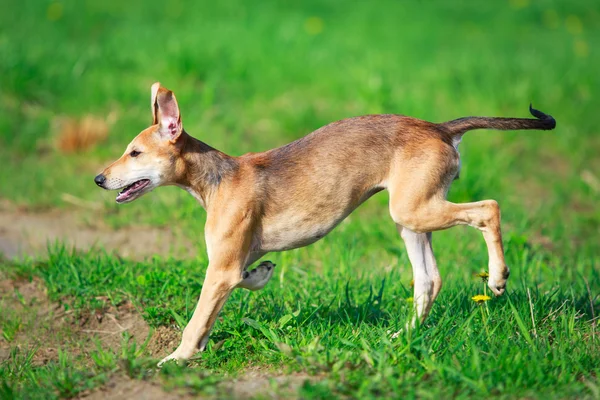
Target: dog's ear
[[153, 104], [165, 112]]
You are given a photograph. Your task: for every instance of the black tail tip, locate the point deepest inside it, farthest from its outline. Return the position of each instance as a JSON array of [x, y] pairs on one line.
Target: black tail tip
[[548, 121]]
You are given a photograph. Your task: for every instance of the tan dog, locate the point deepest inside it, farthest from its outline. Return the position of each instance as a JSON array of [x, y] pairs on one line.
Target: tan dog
[[294, 195]]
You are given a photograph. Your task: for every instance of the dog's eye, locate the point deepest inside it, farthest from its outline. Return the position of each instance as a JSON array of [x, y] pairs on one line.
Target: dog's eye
[[134, 153]]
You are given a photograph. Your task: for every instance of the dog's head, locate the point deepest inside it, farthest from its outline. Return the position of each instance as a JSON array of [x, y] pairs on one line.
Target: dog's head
[[151, 159]]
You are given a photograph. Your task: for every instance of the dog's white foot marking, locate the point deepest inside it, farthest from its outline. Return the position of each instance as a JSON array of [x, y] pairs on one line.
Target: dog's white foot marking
[[498, 284], [172, 356], [257, 278]]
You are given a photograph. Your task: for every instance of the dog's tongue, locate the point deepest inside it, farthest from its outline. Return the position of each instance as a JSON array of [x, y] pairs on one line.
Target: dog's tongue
[[124, 195], [130, 190]]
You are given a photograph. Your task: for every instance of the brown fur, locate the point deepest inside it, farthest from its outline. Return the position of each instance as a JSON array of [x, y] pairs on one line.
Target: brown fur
[[294, 195]]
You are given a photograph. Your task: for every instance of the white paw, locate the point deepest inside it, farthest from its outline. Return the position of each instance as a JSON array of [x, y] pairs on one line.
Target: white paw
[[181, 354], [258, 277], [172, 356], [498, 284]]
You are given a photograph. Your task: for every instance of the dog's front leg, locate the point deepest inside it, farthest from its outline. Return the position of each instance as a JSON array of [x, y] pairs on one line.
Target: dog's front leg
[[218, 284], [227, 254]]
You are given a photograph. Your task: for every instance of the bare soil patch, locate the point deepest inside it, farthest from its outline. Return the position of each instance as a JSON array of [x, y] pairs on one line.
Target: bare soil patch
[[27, 233], [163, 341], [38, 321], [121, 388], [263, 385], [108, 325], [47, 326]]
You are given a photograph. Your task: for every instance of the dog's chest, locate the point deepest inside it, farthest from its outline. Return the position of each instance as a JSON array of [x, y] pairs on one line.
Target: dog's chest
[[295, 230], [304, 220]]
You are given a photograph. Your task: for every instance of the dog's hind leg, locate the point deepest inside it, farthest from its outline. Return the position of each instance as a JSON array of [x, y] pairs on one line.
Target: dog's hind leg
[[483, 215], [418, 202], [427, 280]]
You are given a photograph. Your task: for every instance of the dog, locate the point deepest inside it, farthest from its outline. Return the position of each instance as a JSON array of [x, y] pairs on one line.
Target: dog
[[294, 195]]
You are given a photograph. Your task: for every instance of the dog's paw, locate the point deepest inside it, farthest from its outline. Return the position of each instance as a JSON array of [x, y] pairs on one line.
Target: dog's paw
[[171, 357], [498, 284], [180, 355], [258, 277]]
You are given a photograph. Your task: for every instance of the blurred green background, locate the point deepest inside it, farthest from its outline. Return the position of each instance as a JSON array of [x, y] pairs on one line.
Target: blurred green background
[[252, 76]]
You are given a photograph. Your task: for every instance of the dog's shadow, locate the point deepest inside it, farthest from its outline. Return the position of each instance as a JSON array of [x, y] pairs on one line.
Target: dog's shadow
[[349, 308]]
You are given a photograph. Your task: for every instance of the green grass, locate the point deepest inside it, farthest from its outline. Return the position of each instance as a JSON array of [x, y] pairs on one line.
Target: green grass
[[534, 342], [251, 77]]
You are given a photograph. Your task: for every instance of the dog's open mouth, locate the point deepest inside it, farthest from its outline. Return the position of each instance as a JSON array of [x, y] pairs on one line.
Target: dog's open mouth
[[132, 191]]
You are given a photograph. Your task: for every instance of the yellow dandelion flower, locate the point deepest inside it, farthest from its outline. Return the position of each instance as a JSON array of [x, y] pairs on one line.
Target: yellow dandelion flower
[[409, 300], [480, 298], [483, 275]]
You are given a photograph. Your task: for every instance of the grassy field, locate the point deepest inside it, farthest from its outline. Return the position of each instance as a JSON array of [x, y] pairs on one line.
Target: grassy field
[[252, 77]]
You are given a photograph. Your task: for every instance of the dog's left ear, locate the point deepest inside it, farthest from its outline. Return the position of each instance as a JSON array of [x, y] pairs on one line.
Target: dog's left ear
[[165, 112]]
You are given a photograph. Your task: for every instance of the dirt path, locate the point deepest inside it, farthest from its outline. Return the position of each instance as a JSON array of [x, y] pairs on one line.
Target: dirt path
[[123, 388], [26, 233]]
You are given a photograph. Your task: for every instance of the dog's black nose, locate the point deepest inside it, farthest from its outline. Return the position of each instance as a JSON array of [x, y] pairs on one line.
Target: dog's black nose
[[100, 179]]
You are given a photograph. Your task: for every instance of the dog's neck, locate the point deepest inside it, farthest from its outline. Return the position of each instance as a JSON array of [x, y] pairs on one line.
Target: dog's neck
[[201, 168]]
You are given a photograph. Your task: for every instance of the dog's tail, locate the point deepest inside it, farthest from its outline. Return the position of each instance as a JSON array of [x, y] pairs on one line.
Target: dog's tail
[[542, 121]]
